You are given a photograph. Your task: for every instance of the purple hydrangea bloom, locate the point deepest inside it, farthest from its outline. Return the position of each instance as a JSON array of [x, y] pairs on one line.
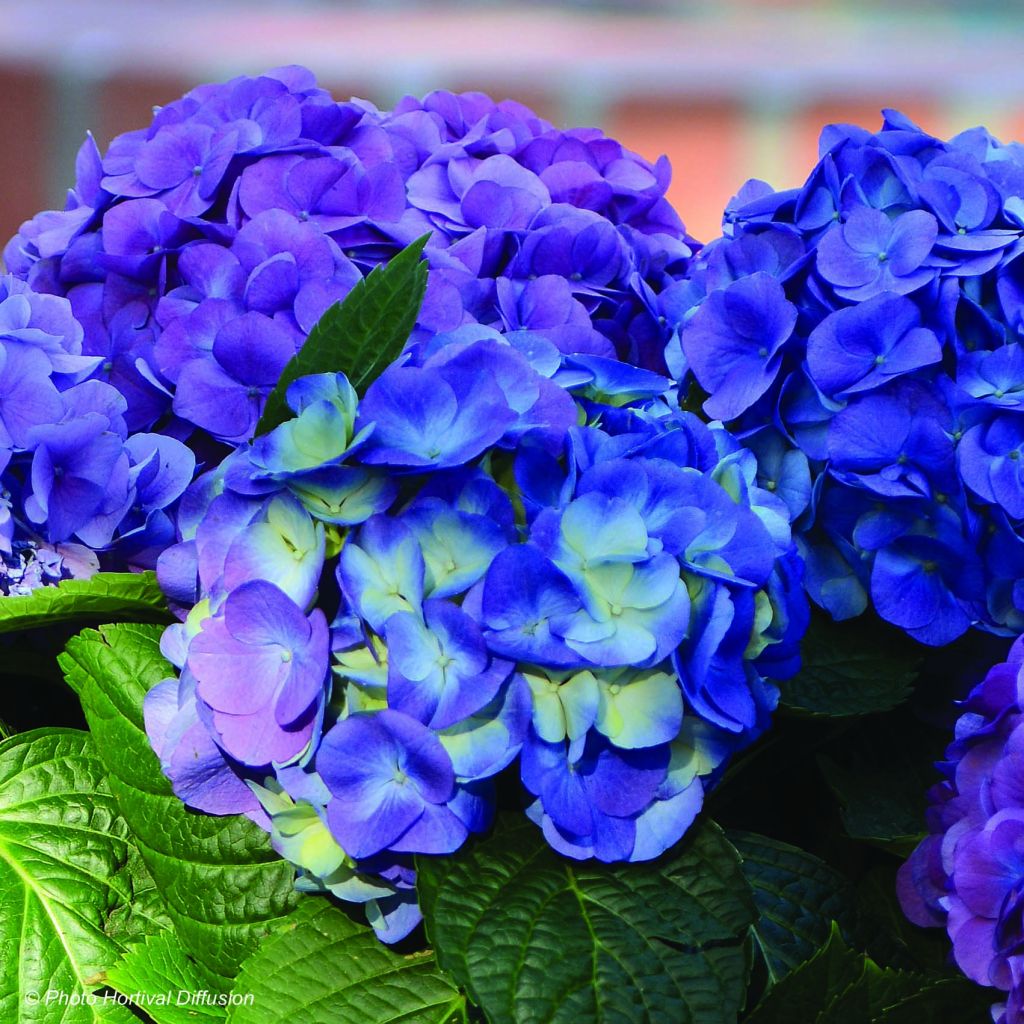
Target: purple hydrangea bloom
[[515, 552], [72, 465], [226, 394], [588, 804], [199, 252], [427, 417], [26, 565], [72, 476], [203, 774], [734, 342], [439, 668], [859, 348], [194, 257], [968, 874], [863, 335]]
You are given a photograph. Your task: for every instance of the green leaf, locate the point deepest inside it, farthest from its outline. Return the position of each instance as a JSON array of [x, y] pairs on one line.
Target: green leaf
[[117, 595], [852, 668], [949, 1001], [884, 932], [880, 772], [62, 848], [323, 968], [841, 986], [797, 896], [360, 335], [867, 999], [222, 884], [880, 807], [535, 937], [162, 981], [142, 915], [803, 994]]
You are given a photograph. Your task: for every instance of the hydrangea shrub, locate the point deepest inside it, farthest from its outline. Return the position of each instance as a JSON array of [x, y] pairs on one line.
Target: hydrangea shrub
[[477, 560]]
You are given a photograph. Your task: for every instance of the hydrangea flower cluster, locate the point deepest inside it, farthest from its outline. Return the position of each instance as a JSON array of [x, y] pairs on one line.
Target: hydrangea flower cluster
[[199, 252], [863, 333], [968, 874], [31, 564], [73, 480], [499, 552]]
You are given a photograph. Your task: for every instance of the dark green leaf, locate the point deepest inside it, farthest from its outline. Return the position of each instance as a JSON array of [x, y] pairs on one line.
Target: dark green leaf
[[115, 595], [878, 807], [360, 335], [222, 884], [884, 932], [160, 979], [852, 668], [881, 772], [62, 849], [797, 897], [323, 968], [803, 994], [841, 986], [867, 999], [949, 1001], [535, 937]]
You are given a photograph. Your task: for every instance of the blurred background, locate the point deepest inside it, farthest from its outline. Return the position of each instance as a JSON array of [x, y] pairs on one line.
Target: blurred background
[[728, 89]]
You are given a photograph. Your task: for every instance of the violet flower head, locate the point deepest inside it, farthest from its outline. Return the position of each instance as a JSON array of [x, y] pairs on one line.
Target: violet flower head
[[514, 552], [871, 253], [199, 252], [968, 874], [391, 781], [734, 342], [72, 476], [195, 255]]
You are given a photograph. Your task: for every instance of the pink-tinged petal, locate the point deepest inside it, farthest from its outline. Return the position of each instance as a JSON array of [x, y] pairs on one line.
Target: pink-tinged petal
[[233, 676]]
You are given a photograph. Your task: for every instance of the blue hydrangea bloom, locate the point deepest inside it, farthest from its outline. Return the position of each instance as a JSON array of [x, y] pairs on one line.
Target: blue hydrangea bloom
[[863, 335], [575, 581], [392, 786]]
